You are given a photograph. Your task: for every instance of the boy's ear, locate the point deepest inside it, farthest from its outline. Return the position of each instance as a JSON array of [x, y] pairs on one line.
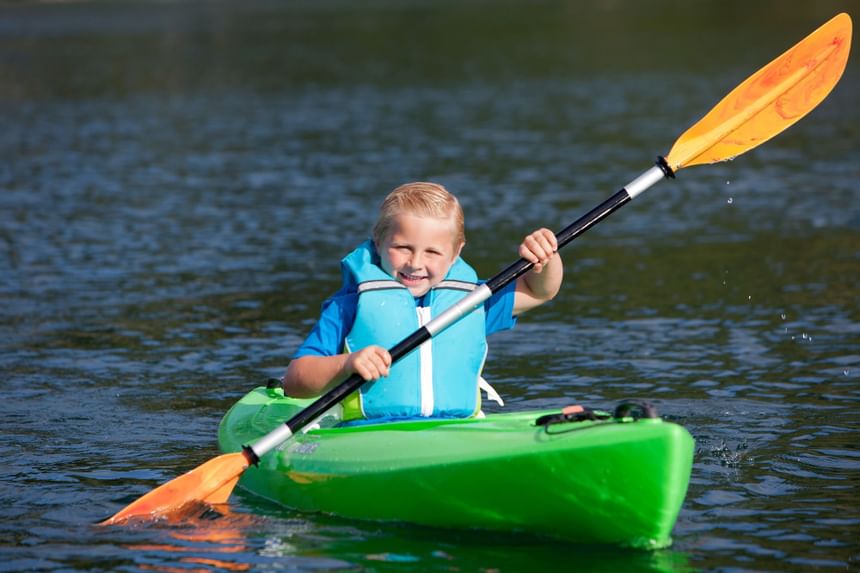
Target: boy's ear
[[460, 249]]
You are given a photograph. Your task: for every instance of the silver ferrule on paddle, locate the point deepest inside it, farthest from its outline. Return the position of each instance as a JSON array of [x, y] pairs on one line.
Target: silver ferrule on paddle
[[644, 181], [272, 440], [460, 309]]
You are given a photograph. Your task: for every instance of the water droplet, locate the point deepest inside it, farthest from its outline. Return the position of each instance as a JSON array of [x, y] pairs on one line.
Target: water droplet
[[749, 297], [730, 201], [845, 372], [782, 315], [728, 182], [803, 336]]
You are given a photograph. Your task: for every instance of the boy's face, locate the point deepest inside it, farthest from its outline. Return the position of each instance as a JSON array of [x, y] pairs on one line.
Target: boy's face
[[418, 251]]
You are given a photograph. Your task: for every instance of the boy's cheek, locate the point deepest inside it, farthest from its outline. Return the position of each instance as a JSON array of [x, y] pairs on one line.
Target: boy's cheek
[[386, 265]]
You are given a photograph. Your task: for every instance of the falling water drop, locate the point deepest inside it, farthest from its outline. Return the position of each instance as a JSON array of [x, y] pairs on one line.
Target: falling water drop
[[730, 201]]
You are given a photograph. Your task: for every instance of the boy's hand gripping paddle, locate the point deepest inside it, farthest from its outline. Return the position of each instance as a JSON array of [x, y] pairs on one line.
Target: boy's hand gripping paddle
[[765, 104]]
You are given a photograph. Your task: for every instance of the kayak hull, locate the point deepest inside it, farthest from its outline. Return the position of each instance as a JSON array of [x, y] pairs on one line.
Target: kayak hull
[[616, 482]]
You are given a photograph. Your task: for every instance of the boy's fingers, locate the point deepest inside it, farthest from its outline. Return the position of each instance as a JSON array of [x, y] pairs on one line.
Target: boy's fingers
[[541, 250], [548, 240], [381, 362], [528, 254], [545, 239]]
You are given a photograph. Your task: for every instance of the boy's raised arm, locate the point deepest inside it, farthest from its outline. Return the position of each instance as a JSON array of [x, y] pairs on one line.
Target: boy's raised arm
[[543, 282]]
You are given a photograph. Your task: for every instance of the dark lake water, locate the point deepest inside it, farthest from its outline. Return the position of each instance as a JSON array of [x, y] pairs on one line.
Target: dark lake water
[[179, 179]]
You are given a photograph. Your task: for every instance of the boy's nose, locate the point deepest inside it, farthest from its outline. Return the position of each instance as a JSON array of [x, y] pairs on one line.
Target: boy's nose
[[415, 261]]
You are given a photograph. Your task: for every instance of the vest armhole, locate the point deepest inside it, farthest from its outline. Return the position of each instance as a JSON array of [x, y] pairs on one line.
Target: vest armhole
[[352, 408]]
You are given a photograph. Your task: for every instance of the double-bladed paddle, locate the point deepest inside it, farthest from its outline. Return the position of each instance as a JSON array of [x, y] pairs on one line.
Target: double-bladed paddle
[[765, 104]]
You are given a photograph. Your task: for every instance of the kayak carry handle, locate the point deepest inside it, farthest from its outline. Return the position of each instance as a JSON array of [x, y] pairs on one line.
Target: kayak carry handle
[[635, 409]]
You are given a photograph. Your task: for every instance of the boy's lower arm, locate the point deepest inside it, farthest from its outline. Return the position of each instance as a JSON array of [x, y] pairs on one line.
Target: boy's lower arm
[[309, 376], [546, 284]]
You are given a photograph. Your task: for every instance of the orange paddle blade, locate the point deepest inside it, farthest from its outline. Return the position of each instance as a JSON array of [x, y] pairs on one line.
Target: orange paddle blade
[[770, 100], [209, 483]]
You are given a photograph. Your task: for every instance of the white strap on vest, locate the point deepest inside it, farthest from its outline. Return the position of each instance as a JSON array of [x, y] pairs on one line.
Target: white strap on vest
[[426, 353], [381, 284], [456, 285], [491, 392]]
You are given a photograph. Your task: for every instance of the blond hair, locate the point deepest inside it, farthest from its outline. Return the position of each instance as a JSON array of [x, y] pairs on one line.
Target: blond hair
[[423, 199]]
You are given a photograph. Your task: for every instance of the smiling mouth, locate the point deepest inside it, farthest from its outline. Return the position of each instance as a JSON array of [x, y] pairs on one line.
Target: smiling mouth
[[406, 279]]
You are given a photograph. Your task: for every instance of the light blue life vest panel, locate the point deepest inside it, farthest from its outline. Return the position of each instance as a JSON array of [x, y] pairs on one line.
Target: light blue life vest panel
[[439, 378]]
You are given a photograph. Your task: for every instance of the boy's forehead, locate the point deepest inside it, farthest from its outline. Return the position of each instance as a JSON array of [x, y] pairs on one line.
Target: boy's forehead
[[405, 221]]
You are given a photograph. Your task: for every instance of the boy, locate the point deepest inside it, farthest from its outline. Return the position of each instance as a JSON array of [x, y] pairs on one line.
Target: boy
[[409, 272]]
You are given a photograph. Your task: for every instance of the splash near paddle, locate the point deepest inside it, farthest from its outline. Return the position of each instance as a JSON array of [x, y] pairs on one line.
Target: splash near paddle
[[767, 103]]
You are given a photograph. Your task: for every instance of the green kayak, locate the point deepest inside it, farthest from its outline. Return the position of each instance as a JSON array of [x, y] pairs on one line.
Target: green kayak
[[579, 475]]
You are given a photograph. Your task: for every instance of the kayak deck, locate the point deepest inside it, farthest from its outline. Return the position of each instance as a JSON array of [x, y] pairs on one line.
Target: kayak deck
[[593, 481]]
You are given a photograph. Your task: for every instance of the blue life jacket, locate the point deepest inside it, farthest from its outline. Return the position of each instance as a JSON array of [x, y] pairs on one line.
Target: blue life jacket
[[439, 378]]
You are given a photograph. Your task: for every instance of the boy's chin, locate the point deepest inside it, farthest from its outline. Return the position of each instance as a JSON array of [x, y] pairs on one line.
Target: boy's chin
[[418, 291], [417, 288]]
